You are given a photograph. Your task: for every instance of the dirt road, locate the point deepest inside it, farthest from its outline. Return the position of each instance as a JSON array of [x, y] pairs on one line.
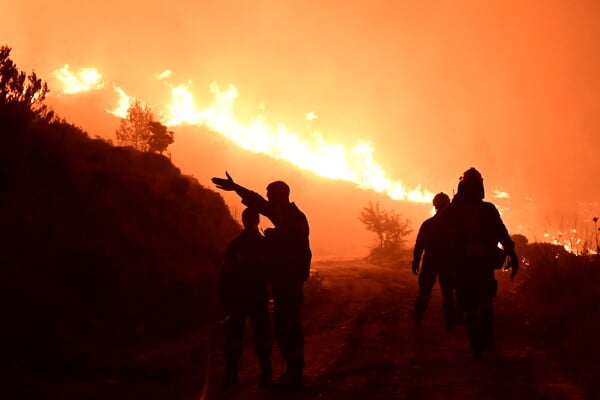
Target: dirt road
[[361, 343]]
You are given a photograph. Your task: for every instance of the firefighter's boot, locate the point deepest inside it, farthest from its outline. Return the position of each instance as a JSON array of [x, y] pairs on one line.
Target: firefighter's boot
[[421, 304], [266, 373], [292, 378], [449, 314], [231, 373]]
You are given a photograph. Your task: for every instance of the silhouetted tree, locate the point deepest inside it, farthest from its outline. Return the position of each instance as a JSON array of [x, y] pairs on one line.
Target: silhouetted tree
[[161, 137], [390, 228], [20, 90], [142, 132]]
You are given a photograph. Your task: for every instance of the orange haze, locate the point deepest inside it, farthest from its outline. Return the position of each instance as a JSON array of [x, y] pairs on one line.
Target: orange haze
[[510, 88]]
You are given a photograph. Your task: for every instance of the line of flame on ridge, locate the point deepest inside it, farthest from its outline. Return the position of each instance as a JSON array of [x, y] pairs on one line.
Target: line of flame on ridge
[[333, 161], [355, 165]]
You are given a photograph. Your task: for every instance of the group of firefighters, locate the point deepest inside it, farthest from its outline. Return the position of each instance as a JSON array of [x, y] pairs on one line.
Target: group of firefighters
[[462, 245], [459, 246], [279, 260]]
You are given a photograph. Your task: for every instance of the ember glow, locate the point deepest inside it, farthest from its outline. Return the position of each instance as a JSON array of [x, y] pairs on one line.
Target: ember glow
[[573, 241]]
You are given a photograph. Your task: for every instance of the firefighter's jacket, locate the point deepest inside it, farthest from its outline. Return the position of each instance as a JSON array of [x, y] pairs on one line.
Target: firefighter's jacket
[[435, 241], [244, 275], [288, 245], [477, 228]]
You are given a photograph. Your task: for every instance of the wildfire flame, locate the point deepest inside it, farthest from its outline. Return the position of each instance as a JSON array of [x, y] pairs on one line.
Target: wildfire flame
[[329, 160], [572, 242], [123, 103], [333, 161], [498, 194], [84, 80], [165, 74]]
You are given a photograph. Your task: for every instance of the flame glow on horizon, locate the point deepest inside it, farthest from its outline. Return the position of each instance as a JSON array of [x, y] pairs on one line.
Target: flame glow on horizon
[[333, 161], [308, 151]]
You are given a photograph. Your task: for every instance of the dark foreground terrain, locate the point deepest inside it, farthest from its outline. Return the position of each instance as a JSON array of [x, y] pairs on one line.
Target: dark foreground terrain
[[361, 343]]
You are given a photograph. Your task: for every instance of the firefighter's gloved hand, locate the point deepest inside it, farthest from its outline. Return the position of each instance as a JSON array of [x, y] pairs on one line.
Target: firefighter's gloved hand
[[415, 267], [224, 319], [225, 315], [513, 264], [224, 183], [269, 232]]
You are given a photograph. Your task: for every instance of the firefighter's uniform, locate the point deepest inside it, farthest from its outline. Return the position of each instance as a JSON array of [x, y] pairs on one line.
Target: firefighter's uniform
[[244, 293]]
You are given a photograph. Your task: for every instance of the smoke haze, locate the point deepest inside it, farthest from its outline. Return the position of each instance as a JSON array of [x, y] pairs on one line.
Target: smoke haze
[[510, 88]]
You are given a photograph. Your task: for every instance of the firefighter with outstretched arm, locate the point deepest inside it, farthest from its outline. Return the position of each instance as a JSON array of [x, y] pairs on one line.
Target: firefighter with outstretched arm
[[288, 258]]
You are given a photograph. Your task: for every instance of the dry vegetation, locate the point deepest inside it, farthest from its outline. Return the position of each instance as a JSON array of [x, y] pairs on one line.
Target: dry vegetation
[[557, 297]]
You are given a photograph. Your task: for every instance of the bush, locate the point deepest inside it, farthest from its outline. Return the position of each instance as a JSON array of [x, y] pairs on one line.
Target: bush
[[393, 256], [559, 300]]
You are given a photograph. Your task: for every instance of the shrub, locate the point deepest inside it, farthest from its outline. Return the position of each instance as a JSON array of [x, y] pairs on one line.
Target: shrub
[[558, 298], [391, 231]]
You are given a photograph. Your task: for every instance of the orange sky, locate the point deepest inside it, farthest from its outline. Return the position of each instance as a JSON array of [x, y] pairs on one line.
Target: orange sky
[[511, 89]]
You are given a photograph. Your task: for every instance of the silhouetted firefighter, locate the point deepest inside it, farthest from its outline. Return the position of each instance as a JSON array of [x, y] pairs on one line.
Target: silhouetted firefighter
[[434, 240], [477, 229], [244, 292], [288, 260]]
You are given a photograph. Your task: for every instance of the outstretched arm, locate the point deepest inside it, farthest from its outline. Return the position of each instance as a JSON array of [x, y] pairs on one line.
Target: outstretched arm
[[249, 198], [228, 184]]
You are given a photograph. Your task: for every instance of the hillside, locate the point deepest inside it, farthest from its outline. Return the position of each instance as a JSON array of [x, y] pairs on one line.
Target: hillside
[[103, 248], [332, 206]]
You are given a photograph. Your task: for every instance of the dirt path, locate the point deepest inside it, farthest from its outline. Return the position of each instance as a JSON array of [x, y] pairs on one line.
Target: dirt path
[[361, 343]]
